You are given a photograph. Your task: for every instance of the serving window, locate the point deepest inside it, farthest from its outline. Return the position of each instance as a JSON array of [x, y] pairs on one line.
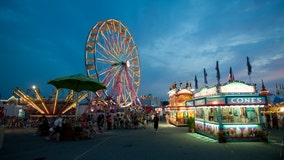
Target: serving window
[[199, 113], [212, 114], [230, 115], [240, 115], [207, 114]]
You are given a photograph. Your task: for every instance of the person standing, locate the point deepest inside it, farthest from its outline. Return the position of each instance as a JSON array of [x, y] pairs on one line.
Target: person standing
[[144, 121], [275, 121], [156, 123], [167, 118], [99, 119], [85, 128], [268, 121], [43, 126], [109, 122], [102, 122], [264, 123]]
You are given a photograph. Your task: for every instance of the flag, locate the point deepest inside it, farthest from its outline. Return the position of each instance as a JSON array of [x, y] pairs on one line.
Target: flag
[[262, 85], [205, 76], [249, 66], [277, 91], [218, 72], [231, 75], [195, 80]]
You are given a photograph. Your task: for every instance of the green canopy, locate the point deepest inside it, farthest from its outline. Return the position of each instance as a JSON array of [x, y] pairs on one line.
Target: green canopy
[[77, 82]]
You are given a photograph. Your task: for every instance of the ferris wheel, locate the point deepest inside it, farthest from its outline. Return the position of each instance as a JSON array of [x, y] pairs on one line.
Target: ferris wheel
[[111, 57]]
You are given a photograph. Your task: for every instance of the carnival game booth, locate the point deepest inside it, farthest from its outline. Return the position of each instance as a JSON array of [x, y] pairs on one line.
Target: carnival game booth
[[177, 112], [229, 112]]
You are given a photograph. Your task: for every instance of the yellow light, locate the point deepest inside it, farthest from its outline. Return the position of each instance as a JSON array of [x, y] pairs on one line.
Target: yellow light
[[214, 102]]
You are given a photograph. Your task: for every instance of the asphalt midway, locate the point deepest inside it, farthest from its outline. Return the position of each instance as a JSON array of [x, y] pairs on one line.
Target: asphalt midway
[[134, 144]]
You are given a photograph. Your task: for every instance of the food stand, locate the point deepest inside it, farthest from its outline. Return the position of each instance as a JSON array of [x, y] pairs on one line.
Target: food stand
[[230, 111], [177, 112]]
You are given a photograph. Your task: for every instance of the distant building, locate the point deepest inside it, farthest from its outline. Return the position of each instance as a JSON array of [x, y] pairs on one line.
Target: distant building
[[11, 107], [150, 101]]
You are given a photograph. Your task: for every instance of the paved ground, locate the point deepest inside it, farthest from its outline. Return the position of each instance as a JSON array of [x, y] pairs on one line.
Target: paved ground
[[129, 144]]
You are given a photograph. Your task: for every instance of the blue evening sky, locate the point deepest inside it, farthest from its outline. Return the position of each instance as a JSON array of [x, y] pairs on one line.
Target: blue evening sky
[[44, 39]]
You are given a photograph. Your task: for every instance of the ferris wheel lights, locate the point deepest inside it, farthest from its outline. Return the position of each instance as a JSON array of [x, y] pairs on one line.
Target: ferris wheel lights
[[34, 87], [94, 31], [90, 67], [111, 56], [90, 60], [90, 44]]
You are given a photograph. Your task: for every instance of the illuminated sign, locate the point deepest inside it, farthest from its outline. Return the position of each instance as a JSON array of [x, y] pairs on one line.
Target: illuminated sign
[[199, 102], [237, 87], [215, 101], [246, 100], [206, 92]]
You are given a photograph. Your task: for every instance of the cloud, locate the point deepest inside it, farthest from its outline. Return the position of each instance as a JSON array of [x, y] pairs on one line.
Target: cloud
[[175, 44], [194, 44]]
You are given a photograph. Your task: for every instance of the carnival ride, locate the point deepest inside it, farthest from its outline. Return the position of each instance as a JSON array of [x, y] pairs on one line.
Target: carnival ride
[[52, 105], [111, 57]]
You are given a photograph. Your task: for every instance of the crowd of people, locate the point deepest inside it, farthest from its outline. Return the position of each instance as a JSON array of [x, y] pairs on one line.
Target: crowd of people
[[124, 120], [90, 125], [272, 120], [19, 122]]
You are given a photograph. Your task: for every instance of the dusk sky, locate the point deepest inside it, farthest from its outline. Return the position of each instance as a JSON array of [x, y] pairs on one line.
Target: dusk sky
[[45, 39]]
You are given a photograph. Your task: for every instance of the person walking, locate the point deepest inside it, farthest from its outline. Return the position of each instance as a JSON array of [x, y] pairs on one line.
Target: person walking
[[156, 123], [109, 122], [56, 128]]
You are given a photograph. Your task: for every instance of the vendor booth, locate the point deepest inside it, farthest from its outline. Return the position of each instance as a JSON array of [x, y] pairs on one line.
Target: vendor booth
[[177, 112], [229, 112]]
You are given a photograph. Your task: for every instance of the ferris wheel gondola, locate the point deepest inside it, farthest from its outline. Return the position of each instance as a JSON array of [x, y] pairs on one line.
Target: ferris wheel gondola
[[111, 57]]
